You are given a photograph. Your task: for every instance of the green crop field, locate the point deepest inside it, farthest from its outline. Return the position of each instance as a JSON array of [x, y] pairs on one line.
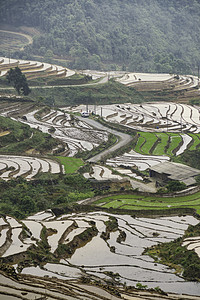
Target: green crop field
[[150, 139], [138, 202], [160, 147], [175, 140], [164, 143], [196, 141], [71, 164], [140, 141]]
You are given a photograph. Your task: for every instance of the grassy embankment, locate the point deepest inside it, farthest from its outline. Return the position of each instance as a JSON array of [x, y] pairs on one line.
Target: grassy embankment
[[21, 139]]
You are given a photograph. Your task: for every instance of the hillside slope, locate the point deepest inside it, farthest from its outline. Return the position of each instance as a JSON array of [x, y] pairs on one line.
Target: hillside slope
[[153, 36]]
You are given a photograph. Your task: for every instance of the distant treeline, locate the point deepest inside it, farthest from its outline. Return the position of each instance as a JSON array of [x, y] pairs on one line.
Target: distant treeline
[[136, 35]]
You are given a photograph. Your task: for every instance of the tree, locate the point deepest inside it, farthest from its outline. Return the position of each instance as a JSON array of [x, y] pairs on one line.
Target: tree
[[27, 205], [18, 80]]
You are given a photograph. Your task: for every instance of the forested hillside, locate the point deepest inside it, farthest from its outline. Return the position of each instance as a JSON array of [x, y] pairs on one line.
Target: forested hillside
[[136, 35]]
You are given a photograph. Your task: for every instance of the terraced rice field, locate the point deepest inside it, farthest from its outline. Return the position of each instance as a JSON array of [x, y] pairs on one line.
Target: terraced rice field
[[155, 116], [33, 69], [126, 264], [138, 77], [166, 143], [147, 81], [48, 288], [140, 202], [161, 145], [149, 142], [13, 166], [133, 159], [102, 173], [11, 40], [196, 141], [174, 142], [77, 135], [193, 243]]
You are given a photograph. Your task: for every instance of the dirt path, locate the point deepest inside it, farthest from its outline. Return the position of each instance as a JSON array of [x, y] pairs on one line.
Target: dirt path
[[60, 86]]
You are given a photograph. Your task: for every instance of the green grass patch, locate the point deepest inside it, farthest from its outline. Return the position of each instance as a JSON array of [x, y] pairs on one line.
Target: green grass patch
[[71, 164]]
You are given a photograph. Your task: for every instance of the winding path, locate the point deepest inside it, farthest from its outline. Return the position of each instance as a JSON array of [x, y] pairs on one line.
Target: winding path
[[70, 73], [123, 139]]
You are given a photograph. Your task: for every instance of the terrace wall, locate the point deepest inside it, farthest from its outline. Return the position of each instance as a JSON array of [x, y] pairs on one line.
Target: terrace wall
[[163, 177]]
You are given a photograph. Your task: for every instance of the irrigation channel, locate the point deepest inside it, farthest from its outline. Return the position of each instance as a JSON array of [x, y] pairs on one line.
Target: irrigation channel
[[124, 138]]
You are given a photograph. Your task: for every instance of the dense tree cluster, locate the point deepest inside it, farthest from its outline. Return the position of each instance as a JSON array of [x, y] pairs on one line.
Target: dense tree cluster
[[20, 198], [18, 80], [153, 36], [191, 158]]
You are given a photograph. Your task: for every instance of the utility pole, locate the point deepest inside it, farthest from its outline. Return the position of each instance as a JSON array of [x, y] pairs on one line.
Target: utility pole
[[167, 121], [95, 108], [181, 123]]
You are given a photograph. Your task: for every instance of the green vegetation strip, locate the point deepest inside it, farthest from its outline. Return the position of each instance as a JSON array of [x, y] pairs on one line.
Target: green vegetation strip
[[173, 254], [196, 141], [175, 140], [150, 139], [164, 143], [141, 140], [161, 146], [136, 202], [71, 164], [22, 138]]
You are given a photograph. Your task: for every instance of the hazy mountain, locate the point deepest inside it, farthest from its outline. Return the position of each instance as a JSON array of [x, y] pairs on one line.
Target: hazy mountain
[[139, 35]]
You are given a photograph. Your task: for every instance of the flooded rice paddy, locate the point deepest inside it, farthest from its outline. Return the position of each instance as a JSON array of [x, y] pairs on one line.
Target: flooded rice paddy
[[126, 264]]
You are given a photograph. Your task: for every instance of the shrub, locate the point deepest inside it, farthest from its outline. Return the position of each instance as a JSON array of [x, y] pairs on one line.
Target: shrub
[[175, 185]]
